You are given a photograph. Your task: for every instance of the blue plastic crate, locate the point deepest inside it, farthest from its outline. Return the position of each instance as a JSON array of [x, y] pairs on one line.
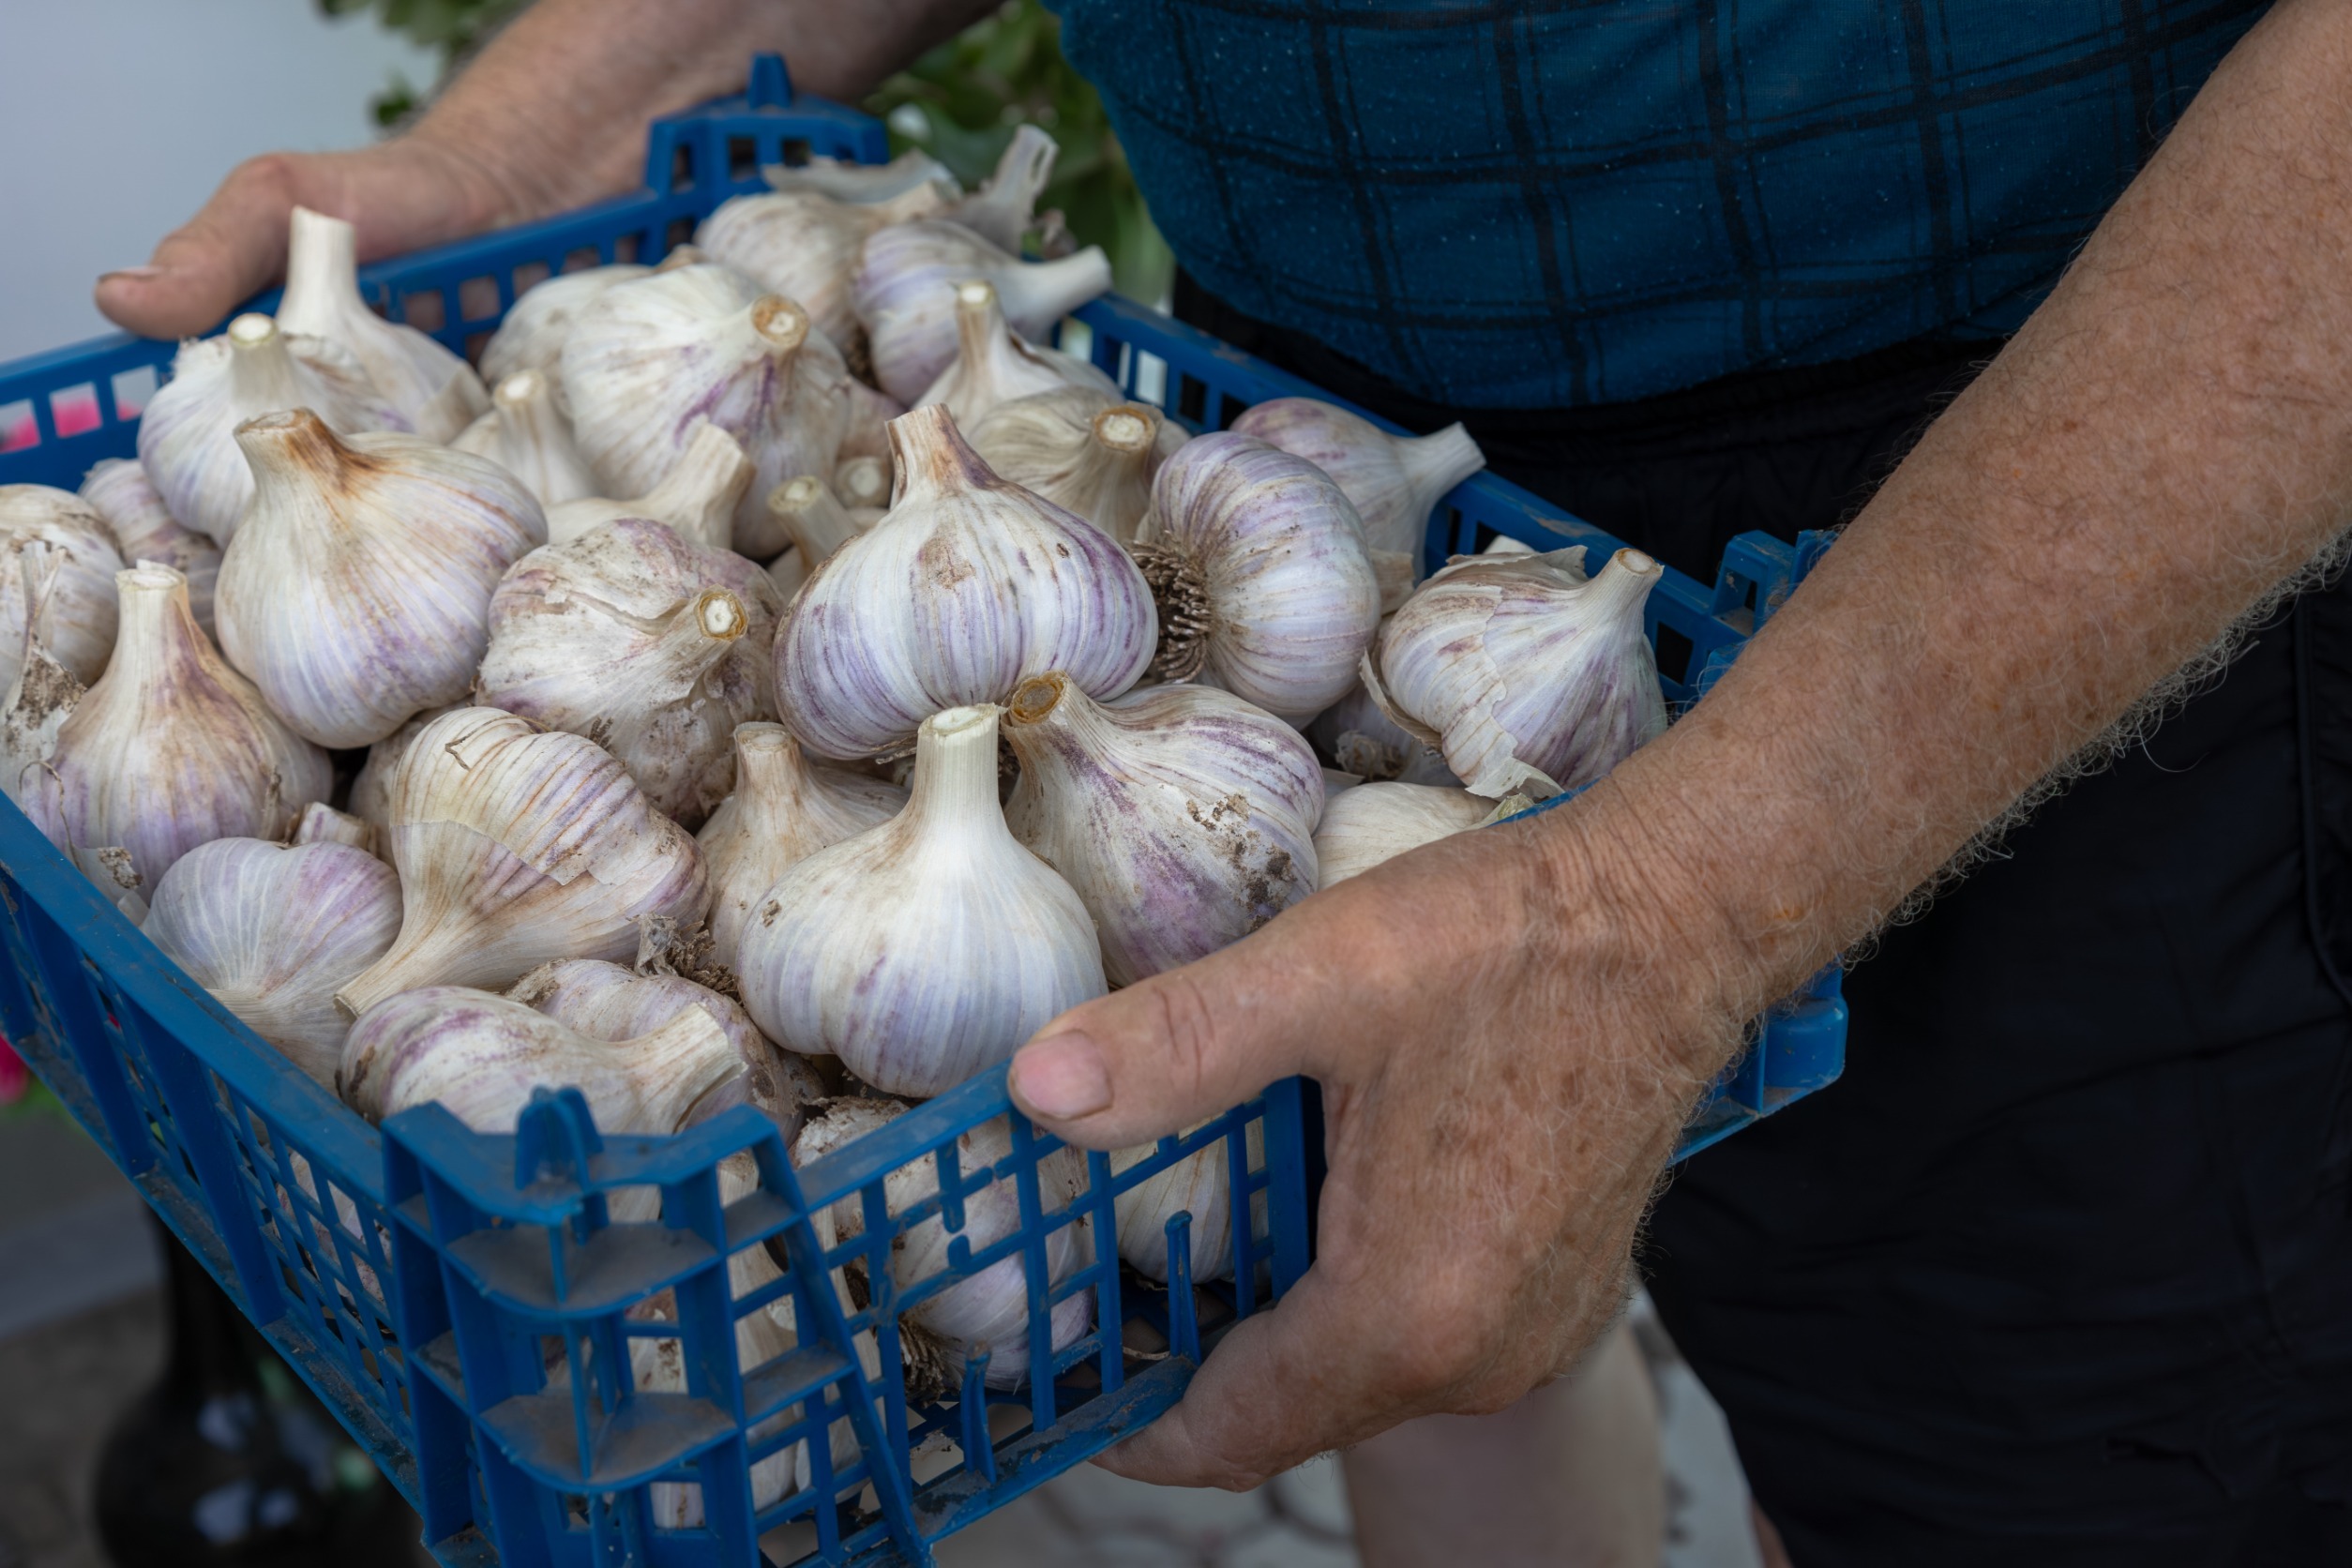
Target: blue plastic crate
[[424, 1278]]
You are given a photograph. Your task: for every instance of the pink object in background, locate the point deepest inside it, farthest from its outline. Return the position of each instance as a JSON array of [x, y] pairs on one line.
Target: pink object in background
[[76, 411], [15, 1077]]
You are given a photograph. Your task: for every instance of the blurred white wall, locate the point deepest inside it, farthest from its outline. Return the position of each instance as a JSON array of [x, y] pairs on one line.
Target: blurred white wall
[[117, 117]]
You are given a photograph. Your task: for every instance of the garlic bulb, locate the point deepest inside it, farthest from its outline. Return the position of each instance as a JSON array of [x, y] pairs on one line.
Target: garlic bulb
[[905, 293], [969, 586], [804, 244], [119, 491], [1259, 568], [924, 950], [861, 183], [187, 435], [171, 748], [480, 1056], [993, 365], [785, 808], [868, 431], [1183, 817], [516, 845], [271, 931], [361, 596], [1005, 210], [59, 533], [808, 511], [1200, 1184], [44, 693], [371, 790], [648, 357], [1356, 736], [1377, 821], [1080, 451], [863, 485], [531, 335], [698, 497], [611, 1001], [652, 647], [989, 1309], [435, 391], [528, 436], [1395, 482], [1530, 677], [320, 824]]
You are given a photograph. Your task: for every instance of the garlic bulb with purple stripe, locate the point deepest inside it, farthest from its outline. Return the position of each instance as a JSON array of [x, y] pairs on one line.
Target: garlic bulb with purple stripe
[[1081, 451], [62, 540], [119, 491], [525, 433], [926, 949], [531, 335], [804, 244], [435, 390], [1259, 567], [967, 587], [698, 497], [995, 365], [904, 292], [1530, 677], [1377, 821], [1183, 817]]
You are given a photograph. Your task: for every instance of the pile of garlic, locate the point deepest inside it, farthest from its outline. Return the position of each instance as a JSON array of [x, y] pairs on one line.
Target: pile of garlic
[[986, 689]]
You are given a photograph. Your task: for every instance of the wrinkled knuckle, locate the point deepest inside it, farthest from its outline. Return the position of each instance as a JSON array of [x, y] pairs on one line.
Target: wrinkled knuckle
[[1186, 1028]]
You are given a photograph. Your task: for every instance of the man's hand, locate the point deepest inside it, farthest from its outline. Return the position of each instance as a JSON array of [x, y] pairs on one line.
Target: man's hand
[[551, 115], [1509, 1033]]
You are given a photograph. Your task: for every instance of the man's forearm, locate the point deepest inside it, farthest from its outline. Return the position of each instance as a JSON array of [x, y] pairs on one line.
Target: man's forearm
[[2168, 438]]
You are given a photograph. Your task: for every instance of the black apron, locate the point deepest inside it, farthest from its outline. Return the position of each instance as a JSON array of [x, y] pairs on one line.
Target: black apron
[[2061, 1268]]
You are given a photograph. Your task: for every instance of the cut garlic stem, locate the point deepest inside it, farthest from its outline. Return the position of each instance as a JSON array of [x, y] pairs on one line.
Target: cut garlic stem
[[1123, 429], [808, 511], [863, 482], [260, 369]]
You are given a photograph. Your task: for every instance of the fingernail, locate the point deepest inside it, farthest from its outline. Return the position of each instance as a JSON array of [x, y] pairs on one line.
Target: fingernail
[[1061, 1077], [137, 274]]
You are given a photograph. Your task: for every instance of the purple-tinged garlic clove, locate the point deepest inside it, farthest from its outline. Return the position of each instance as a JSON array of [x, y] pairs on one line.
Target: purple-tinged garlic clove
[[904, 292]]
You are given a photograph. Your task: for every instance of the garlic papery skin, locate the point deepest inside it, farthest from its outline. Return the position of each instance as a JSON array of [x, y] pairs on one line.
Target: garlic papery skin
[[43, 693], [1258, 564], [649, 357], [272, 931], [371, 790], [1377, 821], [1080, 451], [171, 748], [1532, 677], [1005, 210], [804, 244], [785, 808], [988, 1309], [905, 293], [611, 1001], [1183, 817], [516, 845], [1356, 736], [363, 593], [698, 497], [435, 391], [863, 487], [926, 949], [119, 491], [187, 435], [969, 586], [531, 335], [528, 436], [818, 523], [480, 1056], [993, 365], [652, 647], [868, 432], [1395, 482], [62, 538], [320, 824]]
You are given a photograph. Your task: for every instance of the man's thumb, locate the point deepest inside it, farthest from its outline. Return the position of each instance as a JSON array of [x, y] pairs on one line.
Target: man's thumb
[[1156, 1058]]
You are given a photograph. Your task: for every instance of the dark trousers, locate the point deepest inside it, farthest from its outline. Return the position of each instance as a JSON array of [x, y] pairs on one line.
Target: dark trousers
[[2061, 1273]]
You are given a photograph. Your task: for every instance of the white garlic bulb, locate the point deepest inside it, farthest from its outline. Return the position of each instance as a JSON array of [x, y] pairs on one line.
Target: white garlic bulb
[[119, 491], [804, 244], [1381, 821], [698, 497], [362, 593], [187, 435], [924, 950], [371, 789], [965, 589], [480, 1056], [1527, 675], [785, 808], [1355, 735], [652, 647], [1259, 567], [169, 749], [43, 693], [1200, 1184], [320, 824], [611, 1001], [994, 364], [272, 931], [863, 485], [531, 335], [1183, 817], [516, 845], [1004, 208], [905, 293], [1395, 482], [648, 357], [1081, 451], [526, 434], [818, 525], [991, 1308], [435, 391], [63, 537]]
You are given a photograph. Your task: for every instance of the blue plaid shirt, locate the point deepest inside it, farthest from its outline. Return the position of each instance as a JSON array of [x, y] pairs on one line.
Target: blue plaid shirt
[[1548, 204]]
